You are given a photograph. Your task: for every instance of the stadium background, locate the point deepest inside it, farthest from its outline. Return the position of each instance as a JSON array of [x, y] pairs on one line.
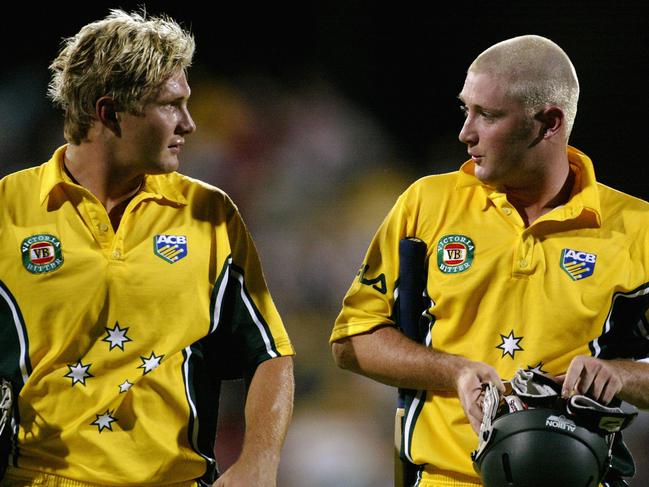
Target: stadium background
[[314, 117]]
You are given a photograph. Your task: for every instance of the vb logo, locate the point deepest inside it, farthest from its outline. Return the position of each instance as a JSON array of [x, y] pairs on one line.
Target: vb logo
[[41, 253], [454, 253]]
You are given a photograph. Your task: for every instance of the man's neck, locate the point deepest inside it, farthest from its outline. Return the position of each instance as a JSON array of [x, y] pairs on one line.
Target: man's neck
[[93, 170], [545, 195]]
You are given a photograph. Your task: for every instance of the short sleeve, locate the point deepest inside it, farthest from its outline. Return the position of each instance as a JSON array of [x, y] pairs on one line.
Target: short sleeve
[[248, 327], [369, 302]]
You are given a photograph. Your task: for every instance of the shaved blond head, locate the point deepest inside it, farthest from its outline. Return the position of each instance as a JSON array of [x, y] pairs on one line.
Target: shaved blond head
[[536, 70]]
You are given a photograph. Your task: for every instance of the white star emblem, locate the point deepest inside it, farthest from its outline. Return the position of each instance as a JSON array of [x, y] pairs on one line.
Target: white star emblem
[[538, 368], [79, 373], [125, 386], [104, 421], [148, 364], [509, 344], [116, 336]]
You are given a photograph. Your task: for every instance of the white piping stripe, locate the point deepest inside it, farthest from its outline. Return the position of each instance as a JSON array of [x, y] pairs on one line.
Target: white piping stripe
[[597, 349], [251, 311], [192, 405], [607, 325], [219, 296], [21, 335], [414, 405], [406, 427]]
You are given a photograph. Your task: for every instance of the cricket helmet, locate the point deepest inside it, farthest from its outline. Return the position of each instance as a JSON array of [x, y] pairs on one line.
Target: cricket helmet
[[531, 437], [542, 447]]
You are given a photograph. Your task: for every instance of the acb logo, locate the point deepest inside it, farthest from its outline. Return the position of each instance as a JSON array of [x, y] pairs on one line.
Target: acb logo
[[578, 264], [170, 248]]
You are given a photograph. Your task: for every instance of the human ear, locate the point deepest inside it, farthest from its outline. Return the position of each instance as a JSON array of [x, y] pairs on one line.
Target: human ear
[[106, 111], [552, 119]]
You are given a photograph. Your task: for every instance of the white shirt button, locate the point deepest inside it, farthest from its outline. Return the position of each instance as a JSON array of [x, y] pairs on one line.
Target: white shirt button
[[507, 211]]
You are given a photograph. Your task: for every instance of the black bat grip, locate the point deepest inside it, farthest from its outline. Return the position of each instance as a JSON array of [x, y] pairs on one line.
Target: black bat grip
[[412, 282]]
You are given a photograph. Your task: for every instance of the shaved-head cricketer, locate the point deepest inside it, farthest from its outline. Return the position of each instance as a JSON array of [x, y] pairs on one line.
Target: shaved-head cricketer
[[532, 264]]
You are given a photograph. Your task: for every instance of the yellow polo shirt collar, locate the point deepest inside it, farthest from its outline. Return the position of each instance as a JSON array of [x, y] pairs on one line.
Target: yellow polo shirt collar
[[155, 186], [584, 200]]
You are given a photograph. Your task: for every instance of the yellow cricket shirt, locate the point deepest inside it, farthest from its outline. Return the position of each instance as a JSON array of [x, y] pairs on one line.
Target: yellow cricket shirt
[[574, 282], [116, 341]]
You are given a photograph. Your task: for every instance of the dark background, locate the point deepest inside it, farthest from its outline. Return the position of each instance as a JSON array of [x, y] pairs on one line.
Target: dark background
[[314, 117], [403, 63]]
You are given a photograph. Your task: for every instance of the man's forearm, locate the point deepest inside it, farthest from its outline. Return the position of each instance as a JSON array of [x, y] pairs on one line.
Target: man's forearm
[[269, 406], [635, 382], [268, 411], [388, 356]]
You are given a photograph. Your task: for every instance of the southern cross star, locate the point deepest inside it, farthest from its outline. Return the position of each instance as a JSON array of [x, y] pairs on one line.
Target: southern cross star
[[538, 368], [509, 344], [148, 364], [125, 386], [116, 336], [104, 421], [79, 373]]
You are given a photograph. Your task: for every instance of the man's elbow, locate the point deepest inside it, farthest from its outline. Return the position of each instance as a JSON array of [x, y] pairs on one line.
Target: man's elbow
[[343, 354]]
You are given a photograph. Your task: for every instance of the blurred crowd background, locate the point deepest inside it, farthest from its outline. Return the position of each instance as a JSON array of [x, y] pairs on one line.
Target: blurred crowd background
[[314, 118]]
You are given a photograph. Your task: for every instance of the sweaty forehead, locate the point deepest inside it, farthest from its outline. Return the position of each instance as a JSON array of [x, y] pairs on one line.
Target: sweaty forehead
[[174, 87]]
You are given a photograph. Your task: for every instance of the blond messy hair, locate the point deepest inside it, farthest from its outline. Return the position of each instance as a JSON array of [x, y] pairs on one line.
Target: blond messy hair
[[126, 56], [536, 70]]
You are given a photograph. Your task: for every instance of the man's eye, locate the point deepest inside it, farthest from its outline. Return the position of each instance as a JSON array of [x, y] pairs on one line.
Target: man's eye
[[464, 110]]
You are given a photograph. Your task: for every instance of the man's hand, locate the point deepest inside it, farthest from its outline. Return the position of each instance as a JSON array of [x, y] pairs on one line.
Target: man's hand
[[242, 473], [469, 385], [592, 377]]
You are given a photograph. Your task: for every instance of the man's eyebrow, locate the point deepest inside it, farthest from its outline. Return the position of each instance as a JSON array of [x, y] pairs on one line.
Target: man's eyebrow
[[172, 98], [479, 108]]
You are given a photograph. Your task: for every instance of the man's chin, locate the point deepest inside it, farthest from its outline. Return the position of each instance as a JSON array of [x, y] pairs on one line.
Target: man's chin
[[167, 166], [486, 178], [482, 174]]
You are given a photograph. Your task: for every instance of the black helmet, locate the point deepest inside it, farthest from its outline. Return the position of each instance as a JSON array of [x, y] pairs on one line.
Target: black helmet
[[530, 437], [542, 447]]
